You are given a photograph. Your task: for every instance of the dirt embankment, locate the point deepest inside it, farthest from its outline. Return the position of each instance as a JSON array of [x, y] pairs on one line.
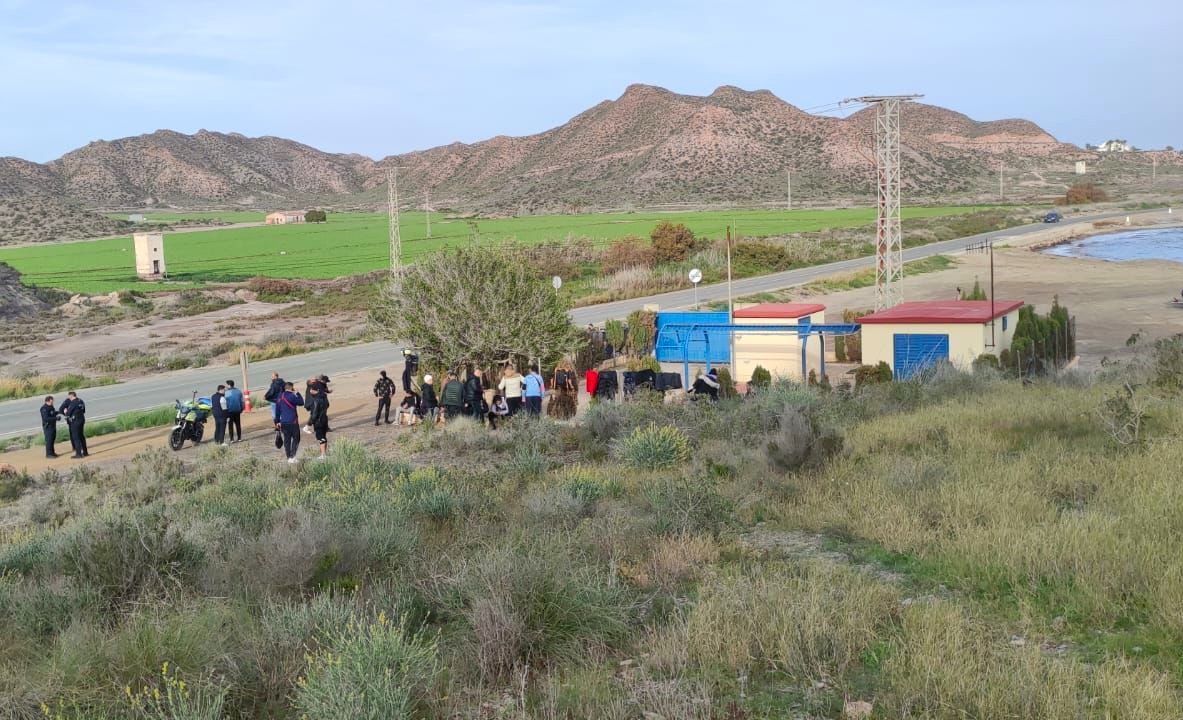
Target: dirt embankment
[[16, 300]]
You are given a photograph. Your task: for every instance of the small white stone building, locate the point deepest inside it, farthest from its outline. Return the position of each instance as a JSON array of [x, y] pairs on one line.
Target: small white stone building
[[150, 256]]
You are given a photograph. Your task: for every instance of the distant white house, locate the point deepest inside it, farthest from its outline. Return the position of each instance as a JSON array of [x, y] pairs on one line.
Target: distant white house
[[285, 217], [1115, 146], [136, 218]]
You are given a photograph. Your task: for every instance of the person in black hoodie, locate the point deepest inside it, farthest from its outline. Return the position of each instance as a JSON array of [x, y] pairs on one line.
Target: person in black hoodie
[[707, 385], [74, 410], [474, 395], [274, 391], [317, 406], [430, 403], [49, 426], [218, 409]]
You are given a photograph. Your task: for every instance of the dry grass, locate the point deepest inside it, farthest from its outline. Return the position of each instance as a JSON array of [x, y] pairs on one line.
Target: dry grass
[[809, 622]]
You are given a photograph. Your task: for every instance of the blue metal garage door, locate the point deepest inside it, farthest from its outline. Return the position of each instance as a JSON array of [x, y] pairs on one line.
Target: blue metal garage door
[[913, 353]]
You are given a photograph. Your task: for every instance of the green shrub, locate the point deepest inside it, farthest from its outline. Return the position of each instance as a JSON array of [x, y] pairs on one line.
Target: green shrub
[[985, 361], [687, 506], [614, 334], [642, 328], [726, 384], [121, 552], [589, 486], [840, 348], [761, 378], [648, 362], [531, 607], [655, 448], [371, 671]]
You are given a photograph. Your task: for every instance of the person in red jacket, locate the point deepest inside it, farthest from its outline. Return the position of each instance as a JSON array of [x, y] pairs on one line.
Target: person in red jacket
[[591, 380]]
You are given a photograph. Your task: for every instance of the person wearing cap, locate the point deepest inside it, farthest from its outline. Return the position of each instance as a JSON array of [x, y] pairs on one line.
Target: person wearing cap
[[430, 404]]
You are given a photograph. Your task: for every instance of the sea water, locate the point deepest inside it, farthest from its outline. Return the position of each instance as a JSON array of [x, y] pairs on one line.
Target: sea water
[[1161, 244]]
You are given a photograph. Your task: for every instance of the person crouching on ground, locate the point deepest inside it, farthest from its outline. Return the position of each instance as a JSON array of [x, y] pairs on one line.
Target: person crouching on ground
[[498, 410], [318, 417], [289, 421]]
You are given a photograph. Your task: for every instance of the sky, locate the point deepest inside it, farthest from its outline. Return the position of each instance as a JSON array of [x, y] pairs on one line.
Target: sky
[[380, 78]]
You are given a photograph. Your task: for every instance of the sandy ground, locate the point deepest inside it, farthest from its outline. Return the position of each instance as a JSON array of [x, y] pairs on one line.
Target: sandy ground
[[1111, 300], [351, 415], [66, 354]]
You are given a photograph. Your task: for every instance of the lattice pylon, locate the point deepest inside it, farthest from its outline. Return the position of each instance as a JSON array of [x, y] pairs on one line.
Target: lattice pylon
[[889, 253]]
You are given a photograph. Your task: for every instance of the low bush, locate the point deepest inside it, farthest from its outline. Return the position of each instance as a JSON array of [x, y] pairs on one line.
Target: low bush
[[375, 670], [810, 622], [16, 388], [672, 242], [761, 378], [655, 448], [627, 252]]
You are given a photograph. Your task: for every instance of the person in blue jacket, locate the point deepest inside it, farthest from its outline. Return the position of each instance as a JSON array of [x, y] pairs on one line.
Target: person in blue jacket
[[289, 420]]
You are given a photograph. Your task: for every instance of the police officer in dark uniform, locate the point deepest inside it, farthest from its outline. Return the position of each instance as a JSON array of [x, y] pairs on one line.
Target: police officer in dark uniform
[[49, 426], [74, 410]]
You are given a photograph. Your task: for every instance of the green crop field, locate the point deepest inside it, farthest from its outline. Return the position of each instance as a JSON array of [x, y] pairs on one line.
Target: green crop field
[[233, 216], [357, 242]]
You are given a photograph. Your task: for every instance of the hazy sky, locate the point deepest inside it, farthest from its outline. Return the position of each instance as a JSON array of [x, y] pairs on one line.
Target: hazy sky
[[385, 77]]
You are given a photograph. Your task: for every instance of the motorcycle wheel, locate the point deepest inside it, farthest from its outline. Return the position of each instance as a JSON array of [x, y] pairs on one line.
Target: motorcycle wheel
[[198, 431], [176, 440]]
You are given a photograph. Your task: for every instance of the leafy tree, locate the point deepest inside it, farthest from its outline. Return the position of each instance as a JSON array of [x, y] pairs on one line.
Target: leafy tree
[[315, 216], [642, 330], [475, 304], [672, 242], [614, 333]]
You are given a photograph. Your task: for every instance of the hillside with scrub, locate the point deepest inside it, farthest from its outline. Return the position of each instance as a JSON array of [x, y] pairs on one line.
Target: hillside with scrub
[[960, 546]]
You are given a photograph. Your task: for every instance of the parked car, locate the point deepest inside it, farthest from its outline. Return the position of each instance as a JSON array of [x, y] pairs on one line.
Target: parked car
[[1053, 217]]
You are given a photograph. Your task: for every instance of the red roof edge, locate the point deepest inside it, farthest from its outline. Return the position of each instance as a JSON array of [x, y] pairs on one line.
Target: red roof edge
[[780, 310], [942, 311]]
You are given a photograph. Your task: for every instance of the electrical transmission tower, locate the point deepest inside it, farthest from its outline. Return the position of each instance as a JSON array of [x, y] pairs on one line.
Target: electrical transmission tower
[[396, 240], [889, 247]]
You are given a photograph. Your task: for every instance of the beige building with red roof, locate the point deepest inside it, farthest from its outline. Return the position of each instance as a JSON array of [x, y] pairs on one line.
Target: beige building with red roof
[[914, 336]]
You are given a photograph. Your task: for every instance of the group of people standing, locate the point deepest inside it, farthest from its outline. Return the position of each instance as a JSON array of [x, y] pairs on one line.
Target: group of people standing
[[284, 399], [484, 402], [73, 411]]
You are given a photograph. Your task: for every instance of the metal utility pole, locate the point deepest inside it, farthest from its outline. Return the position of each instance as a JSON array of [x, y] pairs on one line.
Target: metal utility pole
[[987, 246], [789, 186], [889, 252], [396, 240], [730, 307], [428, 210]]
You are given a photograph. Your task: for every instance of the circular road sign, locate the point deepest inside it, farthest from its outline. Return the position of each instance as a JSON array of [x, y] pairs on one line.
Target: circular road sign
[[557, 282], [696, 276]]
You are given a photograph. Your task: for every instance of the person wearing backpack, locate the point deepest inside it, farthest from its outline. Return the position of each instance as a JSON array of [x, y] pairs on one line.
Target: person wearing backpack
[[234, 408], [289, 420], [272, 396], [218, 408]]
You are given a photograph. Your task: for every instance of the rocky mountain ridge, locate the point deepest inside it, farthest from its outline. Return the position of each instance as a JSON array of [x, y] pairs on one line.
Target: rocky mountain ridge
[[650, 145]]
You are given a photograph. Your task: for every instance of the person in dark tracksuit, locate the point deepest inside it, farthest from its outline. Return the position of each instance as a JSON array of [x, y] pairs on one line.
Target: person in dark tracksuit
[[317, 406], [430, 403], [474, 395], [74, 410], [49, 426], [218, 408], [452, 397], [383, 390]]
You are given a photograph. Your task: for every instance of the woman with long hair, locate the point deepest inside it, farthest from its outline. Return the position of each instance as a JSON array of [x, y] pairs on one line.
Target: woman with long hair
[[566, 391]]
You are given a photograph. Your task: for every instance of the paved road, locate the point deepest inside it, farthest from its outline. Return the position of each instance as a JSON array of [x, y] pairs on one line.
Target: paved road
[[18, 417]]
